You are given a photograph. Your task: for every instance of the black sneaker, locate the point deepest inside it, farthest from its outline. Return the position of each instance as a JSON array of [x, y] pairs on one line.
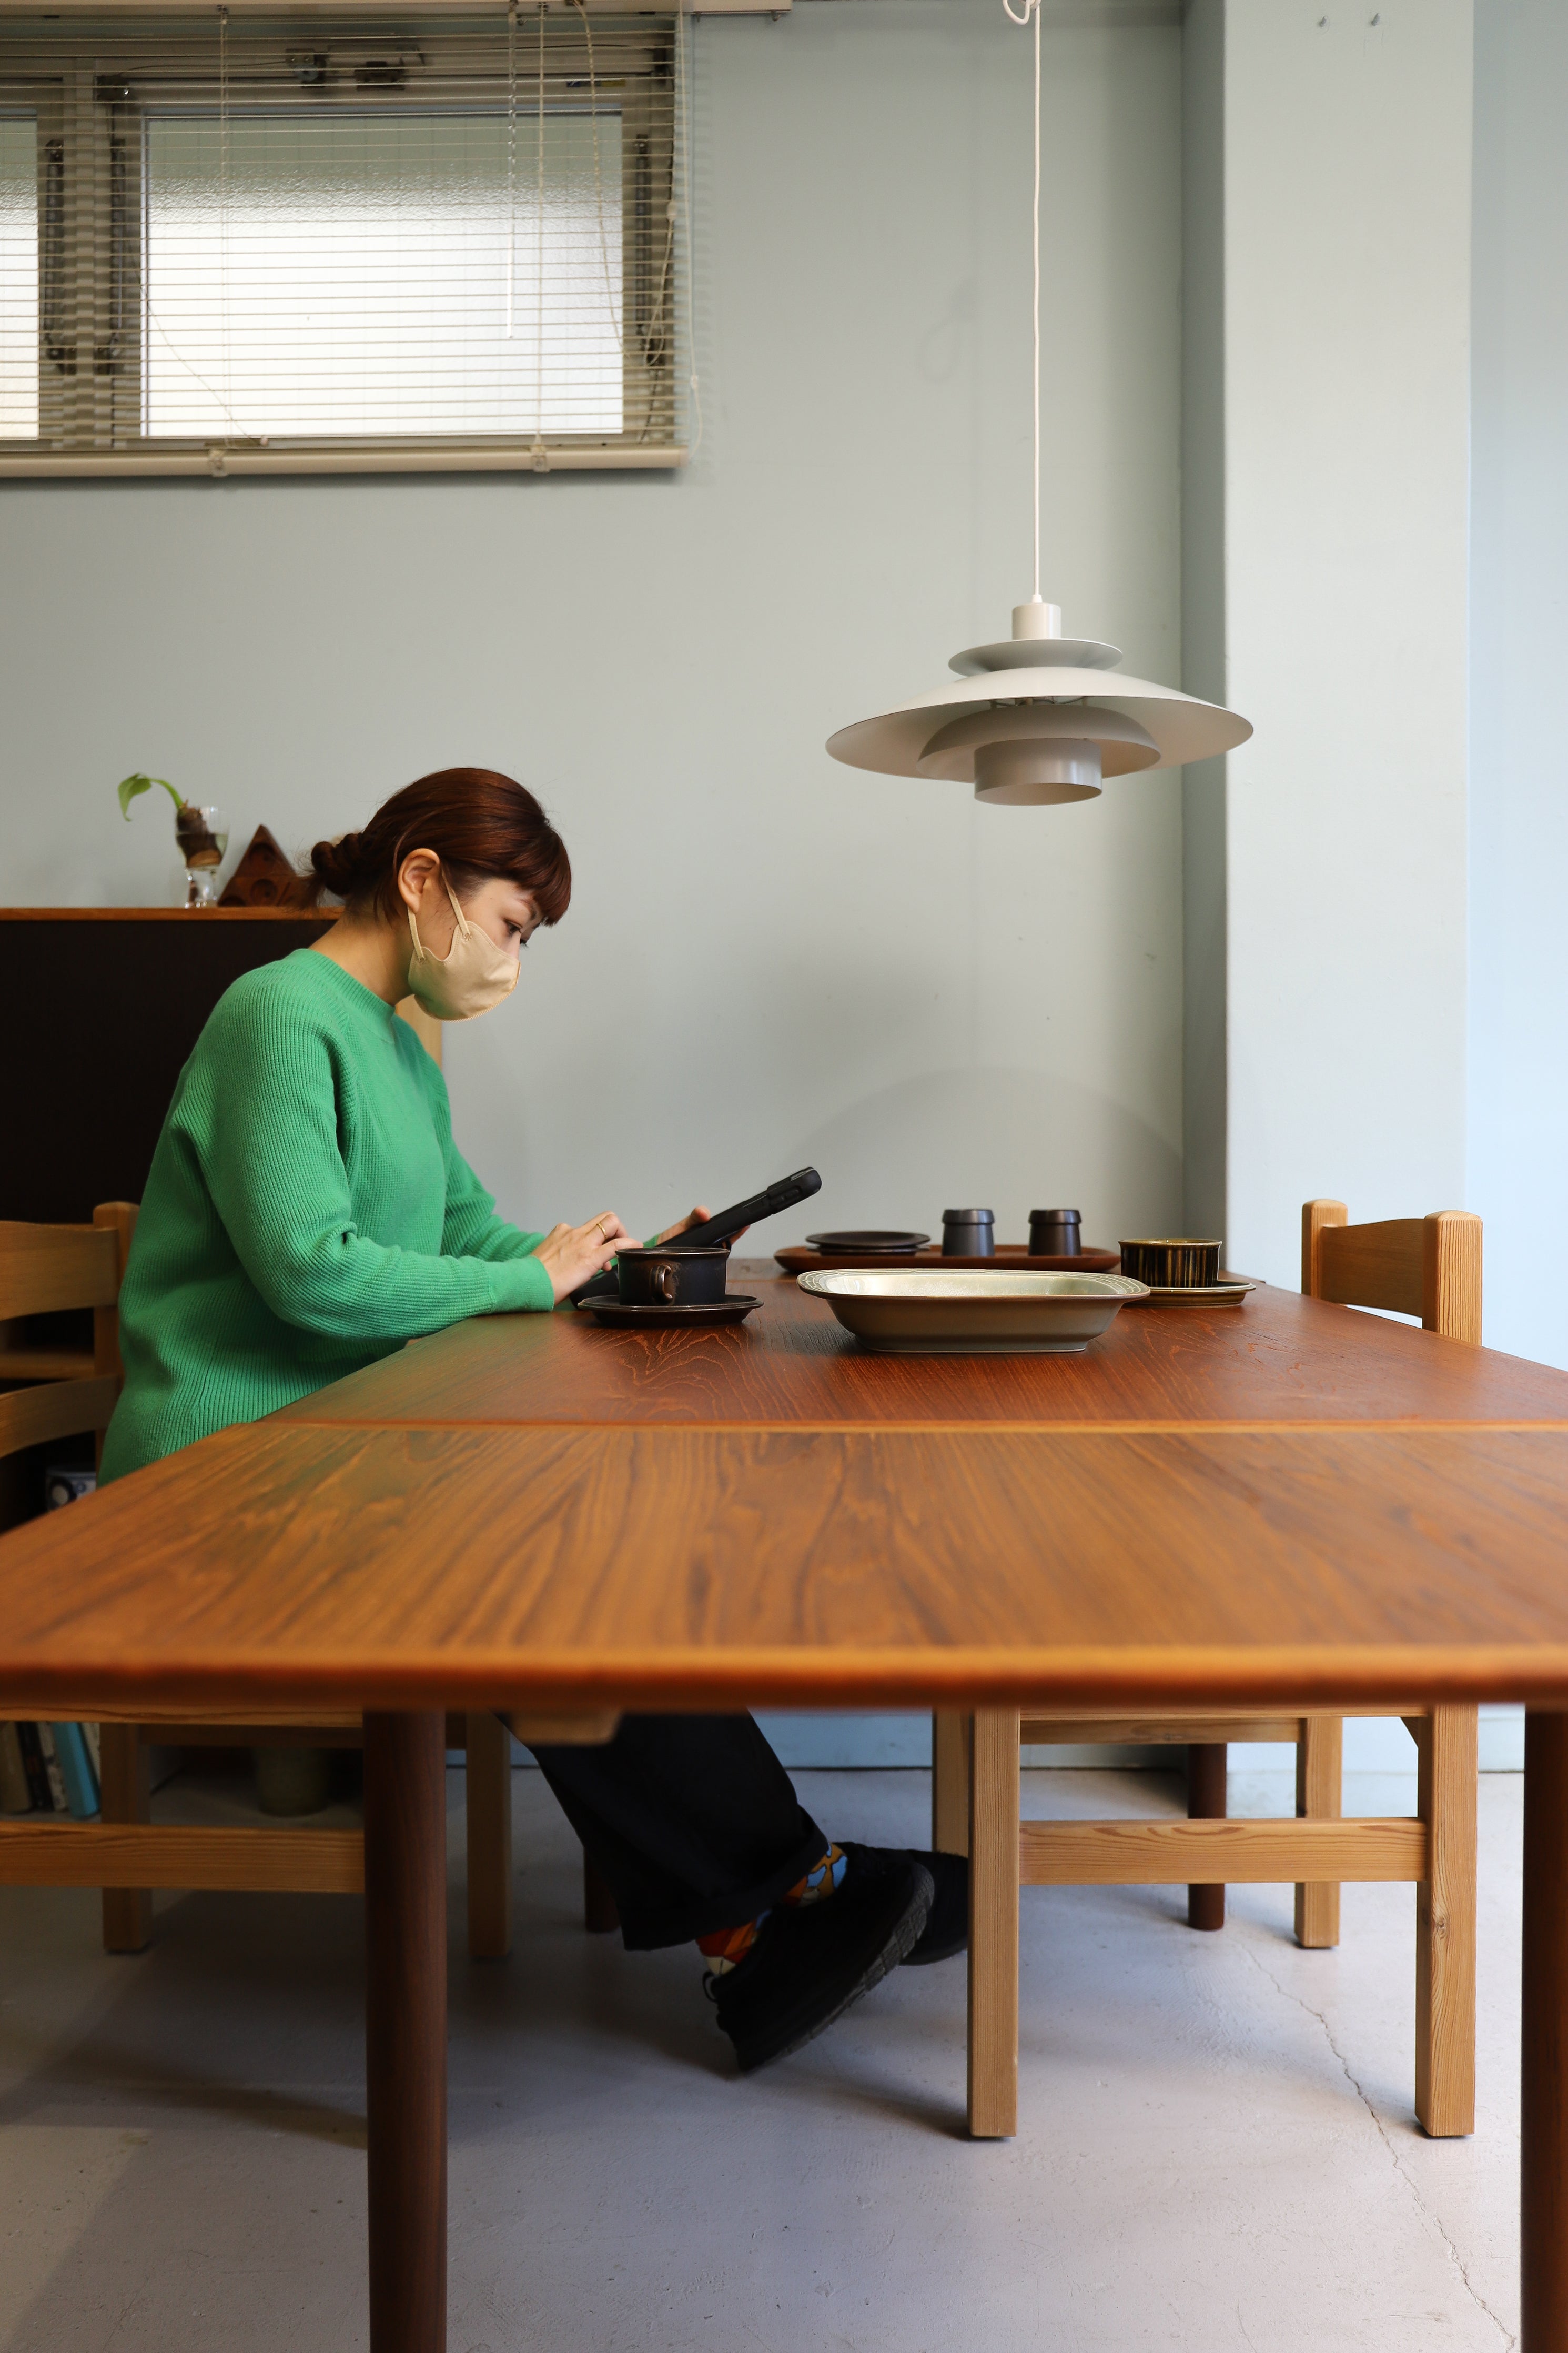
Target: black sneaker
[[812, 1962], [946, 1931]]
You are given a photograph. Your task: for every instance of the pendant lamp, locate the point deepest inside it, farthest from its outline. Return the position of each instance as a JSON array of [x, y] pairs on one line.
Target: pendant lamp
[[1039, 717]]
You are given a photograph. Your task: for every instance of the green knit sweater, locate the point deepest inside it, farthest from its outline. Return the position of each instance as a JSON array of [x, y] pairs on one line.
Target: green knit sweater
[[307, 1212]]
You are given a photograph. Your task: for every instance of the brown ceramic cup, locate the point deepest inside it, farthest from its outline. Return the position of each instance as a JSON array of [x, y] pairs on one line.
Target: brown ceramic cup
[[1175, 1261], [666, 1275]]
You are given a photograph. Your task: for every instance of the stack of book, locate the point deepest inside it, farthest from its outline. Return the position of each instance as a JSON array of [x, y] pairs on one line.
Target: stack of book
[[50, 1769]]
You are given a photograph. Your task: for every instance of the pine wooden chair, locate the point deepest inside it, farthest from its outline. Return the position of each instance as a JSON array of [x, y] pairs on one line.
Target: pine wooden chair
[[48, 1269], [1430, 1267]]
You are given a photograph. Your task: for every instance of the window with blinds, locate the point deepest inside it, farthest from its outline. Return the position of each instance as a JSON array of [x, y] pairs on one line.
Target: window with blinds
[[238, 244]]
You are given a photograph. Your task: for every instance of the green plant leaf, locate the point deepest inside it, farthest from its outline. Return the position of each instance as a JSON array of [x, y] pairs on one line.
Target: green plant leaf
[[129, 787]]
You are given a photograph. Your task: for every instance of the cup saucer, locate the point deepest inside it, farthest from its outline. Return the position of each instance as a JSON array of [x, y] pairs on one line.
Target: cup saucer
[[734, 1308]]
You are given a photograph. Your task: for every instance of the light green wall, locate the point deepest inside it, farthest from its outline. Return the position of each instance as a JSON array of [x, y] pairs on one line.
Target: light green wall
[[770, 958]]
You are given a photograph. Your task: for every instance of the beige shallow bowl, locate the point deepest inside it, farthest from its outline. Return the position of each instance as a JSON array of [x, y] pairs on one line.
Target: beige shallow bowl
[[933, 1311]]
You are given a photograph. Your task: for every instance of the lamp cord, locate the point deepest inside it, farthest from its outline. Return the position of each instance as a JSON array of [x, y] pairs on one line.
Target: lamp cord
[[1032, 8]]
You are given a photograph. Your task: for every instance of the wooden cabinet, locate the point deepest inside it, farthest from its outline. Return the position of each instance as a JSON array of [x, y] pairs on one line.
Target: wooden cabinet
[[102, 1007]]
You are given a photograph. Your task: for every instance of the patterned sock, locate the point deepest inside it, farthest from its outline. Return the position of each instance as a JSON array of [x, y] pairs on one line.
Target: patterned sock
[[726, 1947]]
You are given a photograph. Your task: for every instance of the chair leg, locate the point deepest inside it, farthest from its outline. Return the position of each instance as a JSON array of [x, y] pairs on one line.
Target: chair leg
[[950, 1783], [1446, 1925], [601, 1915], [125, 1772], [488, 1837], [1320, 1749], [993, 1925], [1206, 1801]]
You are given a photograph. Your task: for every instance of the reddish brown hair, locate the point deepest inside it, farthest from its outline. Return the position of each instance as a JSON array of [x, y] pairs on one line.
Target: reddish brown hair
[[477, 822]]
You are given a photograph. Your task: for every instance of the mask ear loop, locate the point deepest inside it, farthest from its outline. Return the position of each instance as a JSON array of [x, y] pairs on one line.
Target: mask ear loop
[[463, 925], [462, 931]]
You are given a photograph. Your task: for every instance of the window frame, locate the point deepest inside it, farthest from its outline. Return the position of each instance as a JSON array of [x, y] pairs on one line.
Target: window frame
[[93, 96]]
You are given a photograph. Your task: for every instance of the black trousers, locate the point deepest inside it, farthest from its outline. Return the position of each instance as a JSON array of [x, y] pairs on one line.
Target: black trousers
[[692, 1820]]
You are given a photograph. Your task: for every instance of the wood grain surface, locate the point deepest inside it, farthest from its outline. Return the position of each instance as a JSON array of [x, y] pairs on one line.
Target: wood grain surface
[[1163, 1853], [1280, 1358], [47, 1852], [712, 1567]]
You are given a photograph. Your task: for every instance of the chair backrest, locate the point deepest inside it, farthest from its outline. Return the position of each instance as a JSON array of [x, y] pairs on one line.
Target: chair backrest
[[44, 1271], [1430, 1267]]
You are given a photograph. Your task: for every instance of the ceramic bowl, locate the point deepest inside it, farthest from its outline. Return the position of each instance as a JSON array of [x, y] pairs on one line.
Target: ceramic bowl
[[1169, 1260], [949, 1311]]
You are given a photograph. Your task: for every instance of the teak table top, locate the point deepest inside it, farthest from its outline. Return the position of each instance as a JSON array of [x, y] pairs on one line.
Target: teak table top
[[531, 1509], [1279, 1358], [1287, 1502]]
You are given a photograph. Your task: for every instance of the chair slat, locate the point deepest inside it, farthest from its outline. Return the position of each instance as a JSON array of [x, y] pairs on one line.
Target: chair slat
[[139, 1855], [1153, 1731], [45, 1269], [36, 1416], [1375, 1266], [1226, 1853]]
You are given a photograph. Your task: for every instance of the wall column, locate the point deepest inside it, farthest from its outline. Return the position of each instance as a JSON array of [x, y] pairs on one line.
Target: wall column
[[1337, 501]]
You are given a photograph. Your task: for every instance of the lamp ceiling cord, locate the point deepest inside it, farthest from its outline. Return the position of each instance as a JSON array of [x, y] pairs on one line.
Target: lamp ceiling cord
[[1039, 717], [1032, 8]]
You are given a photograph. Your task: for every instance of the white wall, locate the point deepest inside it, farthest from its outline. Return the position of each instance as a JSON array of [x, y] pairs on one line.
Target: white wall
[[1327, 235], [770, 958], [1346, 226], [1518, 808], [1204, 645]]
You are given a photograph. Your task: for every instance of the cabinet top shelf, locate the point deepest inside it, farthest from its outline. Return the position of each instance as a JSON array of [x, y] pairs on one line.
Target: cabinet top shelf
[[168, 915]]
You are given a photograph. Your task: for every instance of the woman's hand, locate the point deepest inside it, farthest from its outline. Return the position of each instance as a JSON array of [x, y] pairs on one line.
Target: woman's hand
[[687, 1224], [699, 1217], [569, 1254]]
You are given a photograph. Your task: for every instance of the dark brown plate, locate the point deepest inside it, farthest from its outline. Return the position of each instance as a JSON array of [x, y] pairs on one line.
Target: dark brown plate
[[734, 1308], [869, 1242]]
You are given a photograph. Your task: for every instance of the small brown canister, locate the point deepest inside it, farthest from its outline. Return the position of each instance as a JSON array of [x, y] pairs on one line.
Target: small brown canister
[[1180, 1263], [1055, 1233], [969, 1233]]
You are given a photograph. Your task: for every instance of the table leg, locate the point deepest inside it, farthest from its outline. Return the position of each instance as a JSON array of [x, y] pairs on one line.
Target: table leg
[[406, 2028], [994, 1924], [1543, 2118], [1208, 1796]]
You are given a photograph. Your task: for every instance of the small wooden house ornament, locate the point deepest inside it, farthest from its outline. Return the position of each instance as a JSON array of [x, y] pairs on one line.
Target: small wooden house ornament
[[264, 877]]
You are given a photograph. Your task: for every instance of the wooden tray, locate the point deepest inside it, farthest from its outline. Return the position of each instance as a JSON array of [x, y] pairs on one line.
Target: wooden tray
[[797, 1258]]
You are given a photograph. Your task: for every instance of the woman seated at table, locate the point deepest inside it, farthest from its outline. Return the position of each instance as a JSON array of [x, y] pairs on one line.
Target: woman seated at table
[[307, 1213]]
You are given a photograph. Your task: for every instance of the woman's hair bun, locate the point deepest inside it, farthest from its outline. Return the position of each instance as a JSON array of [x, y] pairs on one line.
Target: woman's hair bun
[[338, 866]]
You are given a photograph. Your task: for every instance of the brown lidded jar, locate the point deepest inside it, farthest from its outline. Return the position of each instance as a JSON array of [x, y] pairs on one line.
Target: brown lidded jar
[[1055, 1233]]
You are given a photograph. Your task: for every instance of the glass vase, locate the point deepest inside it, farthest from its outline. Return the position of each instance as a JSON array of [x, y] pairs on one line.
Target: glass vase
[[202, 833]]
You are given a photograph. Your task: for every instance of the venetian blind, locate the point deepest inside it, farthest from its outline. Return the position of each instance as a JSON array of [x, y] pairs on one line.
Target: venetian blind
[[237, 243]]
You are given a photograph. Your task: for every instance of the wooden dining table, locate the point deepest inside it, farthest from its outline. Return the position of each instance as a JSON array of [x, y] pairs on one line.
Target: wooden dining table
[[1279, 1504]]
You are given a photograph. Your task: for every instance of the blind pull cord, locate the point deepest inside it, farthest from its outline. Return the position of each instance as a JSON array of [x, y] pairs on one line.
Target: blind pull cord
[[511, 162], [683, 108], [538, 284]]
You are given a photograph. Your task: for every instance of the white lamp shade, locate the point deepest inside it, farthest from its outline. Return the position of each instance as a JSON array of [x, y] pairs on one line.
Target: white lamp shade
[[1068, 701]]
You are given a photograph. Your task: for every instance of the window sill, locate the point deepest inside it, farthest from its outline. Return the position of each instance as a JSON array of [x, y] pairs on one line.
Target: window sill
[[408, 458]]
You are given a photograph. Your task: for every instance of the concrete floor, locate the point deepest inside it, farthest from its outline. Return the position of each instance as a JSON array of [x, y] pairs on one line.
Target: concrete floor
[[1217, 2147]]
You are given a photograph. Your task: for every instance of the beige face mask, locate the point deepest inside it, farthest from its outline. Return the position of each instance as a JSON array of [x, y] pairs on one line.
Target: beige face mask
[[470, 978]]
